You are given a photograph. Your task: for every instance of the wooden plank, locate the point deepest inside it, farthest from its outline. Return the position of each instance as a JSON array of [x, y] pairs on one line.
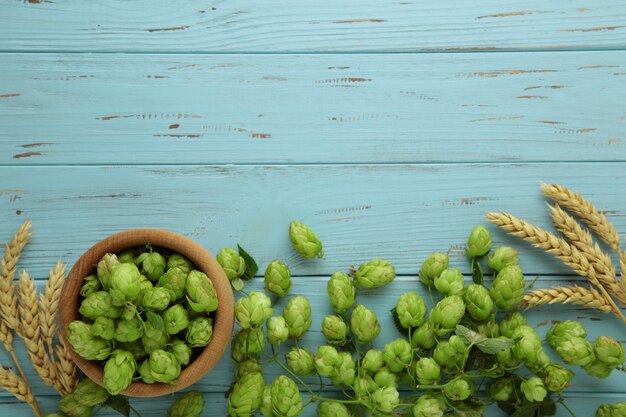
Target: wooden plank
[[262, 25], [188, 109], [382, 300], [398, 212]]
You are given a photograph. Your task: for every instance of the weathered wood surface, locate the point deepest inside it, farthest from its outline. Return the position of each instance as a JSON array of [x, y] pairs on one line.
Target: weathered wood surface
[[283, 26], [199, 109]]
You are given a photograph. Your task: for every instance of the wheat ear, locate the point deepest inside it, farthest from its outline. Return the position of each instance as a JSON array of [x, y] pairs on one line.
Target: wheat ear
[[19, 388], [587, 297], [584, 209], [31, 331], [49, 304], [567, 253], [66, 369], [8, 300], [582, 240]]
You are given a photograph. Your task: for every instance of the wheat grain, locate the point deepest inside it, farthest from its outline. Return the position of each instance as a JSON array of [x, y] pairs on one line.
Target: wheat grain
[[587, 297], [582, 240], [49, 304], [8, 300], [66, 369], [29, 321], [584, 209], [19, 388]]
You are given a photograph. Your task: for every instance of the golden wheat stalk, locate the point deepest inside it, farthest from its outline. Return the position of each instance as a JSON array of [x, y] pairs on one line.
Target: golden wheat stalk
[[567, 253], [582, 240], [587, 297], [49, 304], [31, 331], [19, 388], [584, 209], [8, 301], [66, 369]]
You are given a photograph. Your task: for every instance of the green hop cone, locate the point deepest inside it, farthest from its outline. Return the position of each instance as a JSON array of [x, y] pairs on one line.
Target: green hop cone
[[506, 359], [88, 394], [385, 399], [277, 330], [153, 266], [176, 318], [144, 286], [201, 294], [278, 278], [534, 390], [424, 337], [373, 361], [253, 310], [57, 414], [556, 378], [105, 267], [364, 323], [332, 409], [479, 303], [538, 366], [231, 262], [129, 330], [501, 389], [91, 285], [430, 405], [246, 395], [176, 260], [478, 243], [249, 341], [427, 371], [364, 385], [327, 360], [459, 389], [345, 373], [99, 304], [375, 273], [286, 398], [135, 348], [432, 267], [304, 240], [502, 257], [266, 402], [565, 330], [385, 378], [609, 351], [398, 354], [450, 282], [155, 298], [154, 338], [119, 371], [488, 328], [248, 366], [446, 314], [335, 330], [576, 351], [175, 281], [145, 373], [297, 314], [129, 311], [69, 406], [85, 344], [507, 290], [450, 354], [127, 257], [125, 284], [164, 367], [511, 322], [411, 310], [199, 332], [605, 410], [181, 351], [341, 292], [598, 369], [527, 347], [103, 328], [189, 404]]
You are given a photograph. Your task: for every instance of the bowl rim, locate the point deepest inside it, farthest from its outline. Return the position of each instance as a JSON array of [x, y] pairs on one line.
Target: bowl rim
[[223, 319]]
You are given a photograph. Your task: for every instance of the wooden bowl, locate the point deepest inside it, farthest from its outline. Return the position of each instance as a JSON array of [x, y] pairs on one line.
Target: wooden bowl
[[204, 261]]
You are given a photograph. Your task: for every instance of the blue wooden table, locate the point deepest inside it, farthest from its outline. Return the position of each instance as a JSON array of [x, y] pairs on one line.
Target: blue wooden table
[[390, 127]]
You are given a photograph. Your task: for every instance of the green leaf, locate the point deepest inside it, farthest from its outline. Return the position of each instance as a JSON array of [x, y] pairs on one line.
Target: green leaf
[[396, 322], [469, 336], [356, 410], [155, 320], [493, 346], [477, 272], [237, 284], [118, 403], [472, 407], [251, 266]]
